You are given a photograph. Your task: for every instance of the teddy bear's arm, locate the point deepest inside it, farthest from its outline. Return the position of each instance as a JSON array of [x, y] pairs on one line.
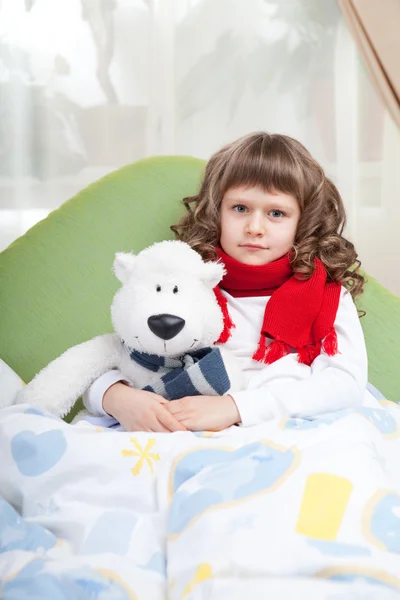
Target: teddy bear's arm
[[57, 387]]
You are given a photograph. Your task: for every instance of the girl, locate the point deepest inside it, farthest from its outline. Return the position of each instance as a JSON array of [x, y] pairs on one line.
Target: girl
[[267, 210]]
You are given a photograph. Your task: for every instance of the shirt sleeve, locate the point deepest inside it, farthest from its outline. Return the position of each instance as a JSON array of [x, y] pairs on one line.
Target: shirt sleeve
[[93, 397], [331, 383]]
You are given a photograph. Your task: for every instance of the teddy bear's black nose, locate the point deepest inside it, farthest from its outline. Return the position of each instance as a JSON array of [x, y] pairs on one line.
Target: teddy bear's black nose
[[165, 326]]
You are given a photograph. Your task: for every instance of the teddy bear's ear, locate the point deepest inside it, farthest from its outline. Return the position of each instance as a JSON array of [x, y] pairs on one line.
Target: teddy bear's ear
[[212, 273], [123, 265]]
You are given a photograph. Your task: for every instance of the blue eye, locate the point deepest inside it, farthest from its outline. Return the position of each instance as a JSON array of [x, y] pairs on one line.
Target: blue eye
[[277, 214], [239, 208]]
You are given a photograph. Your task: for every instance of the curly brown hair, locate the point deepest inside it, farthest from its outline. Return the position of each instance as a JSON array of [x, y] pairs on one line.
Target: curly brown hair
[[276, 163]]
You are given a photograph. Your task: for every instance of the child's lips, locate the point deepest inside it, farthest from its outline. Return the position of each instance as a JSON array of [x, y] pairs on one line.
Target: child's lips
[[253, 247]]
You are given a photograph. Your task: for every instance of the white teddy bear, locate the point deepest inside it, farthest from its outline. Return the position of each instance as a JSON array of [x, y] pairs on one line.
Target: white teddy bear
[[166, 319]]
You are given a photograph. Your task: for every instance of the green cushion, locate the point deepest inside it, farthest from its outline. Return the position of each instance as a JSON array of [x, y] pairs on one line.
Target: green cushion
[[381, 326], [56, 281]]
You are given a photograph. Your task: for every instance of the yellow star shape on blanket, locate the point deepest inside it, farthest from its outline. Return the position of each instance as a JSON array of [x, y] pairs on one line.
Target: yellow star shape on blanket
[[144, 454]]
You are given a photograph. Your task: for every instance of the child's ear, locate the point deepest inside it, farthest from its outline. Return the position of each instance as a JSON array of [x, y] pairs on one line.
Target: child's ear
[[124, 265], [212, 273]]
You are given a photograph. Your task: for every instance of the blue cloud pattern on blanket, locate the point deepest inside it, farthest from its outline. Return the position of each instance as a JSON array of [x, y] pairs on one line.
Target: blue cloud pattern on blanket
[[18, 534], [83, 583], [372, 577], [157, 563], [32, 410], [35, 453], [194, 461], [224, 476], [111, 532], [333, 548], [313, 423], [381, 418], [385, 522]]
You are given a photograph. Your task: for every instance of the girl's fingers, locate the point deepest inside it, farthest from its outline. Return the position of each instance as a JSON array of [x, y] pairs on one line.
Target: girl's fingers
[[174, 407], [160, 428], [169, 421], [155, 426], [190, 425]]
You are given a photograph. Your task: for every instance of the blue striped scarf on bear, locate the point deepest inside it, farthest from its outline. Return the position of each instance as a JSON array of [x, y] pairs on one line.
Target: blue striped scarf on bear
[[197, 373]]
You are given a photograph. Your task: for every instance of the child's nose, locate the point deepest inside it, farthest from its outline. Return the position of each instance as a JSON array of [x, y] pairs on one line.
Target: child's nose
[[255, 225]]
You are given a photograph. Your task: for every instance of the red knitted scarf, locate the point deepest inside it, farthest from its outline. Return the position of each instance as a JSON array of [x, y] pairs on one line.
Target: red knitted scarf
[[299, 316]]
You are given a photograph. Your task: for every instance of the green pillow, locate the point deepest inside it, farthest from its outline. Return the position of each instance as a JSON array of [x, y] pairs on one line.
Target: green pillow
[[56, 281], [381, 326]]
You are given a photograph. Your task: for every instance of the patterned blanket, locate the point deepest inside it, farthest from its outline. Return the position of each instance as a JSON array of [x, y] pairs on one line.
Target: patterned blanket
[[288, 509]]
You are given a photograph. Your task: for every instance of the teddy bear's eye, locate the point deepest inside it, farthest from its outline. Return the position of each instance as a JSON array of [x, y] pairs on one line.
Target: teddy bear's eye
[[158, 288], [175, 290]]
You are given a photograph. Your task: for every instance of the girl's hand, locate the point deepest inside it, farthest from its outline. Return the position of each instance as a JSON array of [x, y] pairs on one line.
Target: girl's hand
[[205, 413], [138, 410]]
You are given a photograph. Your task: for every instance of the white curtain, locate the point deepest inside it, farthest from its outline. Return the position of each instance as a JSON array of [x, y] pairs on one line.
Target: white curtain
[[89, 85]]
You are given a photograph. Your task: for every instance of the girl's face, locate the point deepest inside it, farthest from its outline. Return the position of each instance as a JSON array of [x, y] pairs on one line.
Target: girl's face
[[257, 227]]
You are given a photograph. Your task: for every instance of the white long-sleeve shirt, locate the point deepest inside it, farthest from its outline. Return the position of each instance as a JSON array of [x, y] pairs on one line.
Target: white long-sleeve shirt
[[286, 387]]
